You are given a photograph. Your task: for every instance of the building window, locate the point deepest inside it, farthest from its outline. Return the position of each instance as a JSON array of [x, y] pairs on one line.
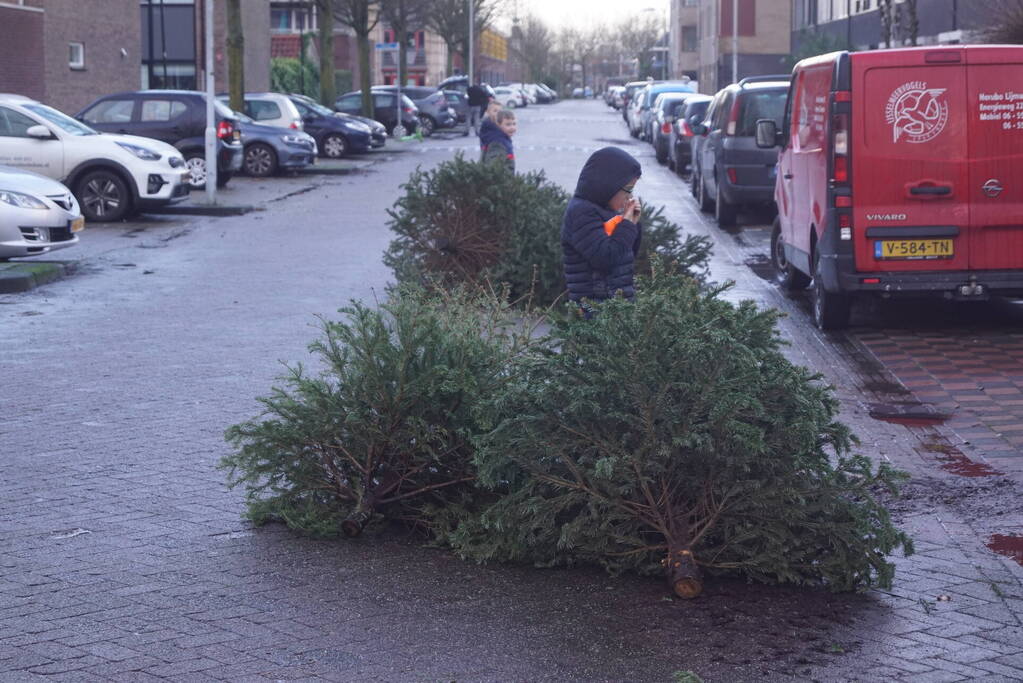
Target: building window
[[292, 20], [76, 55], [689, 39]]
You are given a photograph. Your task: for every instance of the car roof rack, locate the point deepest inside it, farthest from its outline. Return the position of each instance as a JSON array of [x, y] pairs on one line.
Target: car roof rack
[[765, 79]]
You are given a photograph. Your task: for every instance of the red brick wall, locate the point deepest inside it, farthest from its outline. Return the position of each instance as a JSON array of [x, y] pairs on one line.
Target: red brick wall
[[104, 27], [21, 52]]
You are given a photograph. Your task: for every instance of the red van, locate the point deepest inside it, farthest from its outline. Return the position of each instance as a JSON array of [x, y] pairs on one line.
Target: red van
[[897, 175]]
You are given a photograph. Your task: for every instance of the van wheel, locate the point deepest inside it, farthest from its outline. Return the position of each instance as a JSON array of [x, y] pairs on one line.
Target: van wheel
[[830, 309], [103, 196], [724, 211], [701, 197], [785, 274]]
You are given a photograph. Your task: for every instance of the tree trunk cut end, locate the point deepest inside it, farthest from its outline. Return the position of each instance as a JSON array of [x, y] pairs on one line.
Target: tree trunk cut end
[[683, 575], [356, 522]]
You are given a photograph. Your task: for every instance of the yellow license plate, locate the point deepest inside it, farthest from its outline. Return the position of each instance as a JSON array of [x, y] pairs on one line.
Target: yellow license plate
[[913, 249], [78, 224]]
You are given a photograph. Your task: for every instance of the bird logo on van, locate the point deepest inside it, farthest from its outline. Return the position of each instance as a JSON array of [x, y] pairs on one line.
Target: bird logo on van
[[916, 113]]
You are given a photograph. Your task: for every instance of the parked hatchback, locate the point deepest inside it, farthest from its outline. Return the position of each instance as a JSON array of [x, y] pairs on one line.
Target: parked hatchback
[[37, 214], [731, 172], [384, 106], [666, 108], [177, 117], [110, 175], [271, 109], [377, 132], [270, 149], [336, 136], [680, 150], [434, 111]]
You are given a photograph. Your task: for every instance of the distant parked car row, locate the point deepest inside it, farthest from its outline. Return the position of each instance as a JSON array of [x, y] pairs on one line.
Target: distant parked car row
[[130, 151]]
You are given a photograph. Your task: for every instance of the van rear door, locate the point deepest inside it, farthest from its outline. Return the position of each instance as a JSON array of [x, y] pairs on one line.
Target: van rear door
[[910, 177], [995, 113]]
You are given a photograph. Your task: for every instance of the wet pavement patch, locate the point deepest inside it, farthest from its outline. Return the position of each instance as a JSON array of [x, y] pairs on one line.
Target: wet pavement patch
[[761, 266], [955, 461], [1010, 546], [908, 413]]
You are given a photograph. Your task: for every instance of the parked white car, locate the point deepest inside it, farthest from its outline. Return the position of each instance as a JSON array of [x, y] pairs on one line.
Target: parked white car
[[270, 109], [37, 215], [508, 98], [110, 175]]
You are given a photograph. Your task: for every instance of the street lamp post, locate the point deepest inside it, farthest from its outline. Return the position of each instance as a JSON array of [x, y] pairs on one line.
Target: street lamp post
[[735, 41], [211, 121]]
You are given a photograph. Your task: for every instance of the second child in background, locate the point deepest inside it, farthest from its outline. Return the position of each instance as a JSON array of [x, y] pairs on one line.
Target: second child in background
[[496, 138]]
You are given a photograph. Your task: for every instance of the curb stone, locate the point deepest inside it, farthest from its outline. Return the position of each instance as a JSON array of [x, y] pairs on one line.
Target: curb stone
[[202, 210], [22, 276]]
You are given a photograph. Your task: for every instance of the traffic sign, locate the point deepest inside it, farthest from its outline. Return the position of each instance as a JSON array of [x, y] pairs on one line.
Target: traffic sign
[[387, 46]]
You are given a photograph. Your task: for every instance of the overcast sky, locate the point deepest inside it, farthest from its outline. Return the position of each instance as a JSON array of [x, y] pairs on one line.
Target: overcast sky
[[559, 13]]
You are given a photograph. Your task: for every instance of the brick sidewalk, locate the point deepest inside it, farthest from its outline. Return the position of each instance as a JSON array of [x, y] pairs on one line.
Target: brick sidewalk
[[124, 556]]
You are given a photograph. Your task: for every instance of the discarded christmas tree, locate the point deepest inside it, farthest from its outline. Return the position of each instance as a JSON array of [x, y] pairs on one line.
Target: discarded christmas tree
[[671, 435], [386, 426]]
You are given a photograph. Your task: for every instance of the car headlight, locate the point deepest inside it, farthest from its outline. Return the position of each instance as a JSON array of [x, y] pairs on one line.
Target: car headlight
[[20, 200], [140, 152], [175, 162], [294, 139]]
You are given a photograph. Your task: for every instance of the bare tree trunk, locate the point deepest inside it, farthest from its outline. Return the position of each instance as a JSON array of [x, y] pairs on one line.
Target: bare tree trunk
[[364, 74], [885, 9], [328, 88], [235, 55]]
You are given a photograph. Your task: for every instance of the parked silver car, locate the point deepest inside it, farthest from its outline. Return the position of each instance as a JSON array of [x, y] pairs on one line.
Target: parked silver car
[[37, 214]]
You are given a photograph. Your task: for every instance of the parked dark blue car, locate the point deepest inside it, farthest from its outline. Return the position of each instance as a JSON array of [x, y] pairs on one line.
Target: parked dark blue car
[[269, 149], [336, 136]]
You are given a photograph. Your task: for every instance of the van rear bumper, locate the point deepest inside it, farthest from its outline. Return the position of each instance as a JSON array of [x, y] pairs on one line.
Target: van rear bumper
[[946, 283]]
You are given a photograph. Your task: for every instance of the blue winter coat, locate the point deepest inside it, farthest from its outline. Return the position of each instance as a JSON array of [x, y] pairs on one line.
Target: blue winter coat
[[599, 246]]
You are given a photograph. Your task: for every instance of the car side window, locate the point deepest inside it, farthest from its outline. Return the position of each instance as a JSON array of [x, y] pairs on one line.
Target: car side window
[[383, 101], [346, 102], [721, 112], [263, 110], [110, 111], [161, 110], [14, 124]]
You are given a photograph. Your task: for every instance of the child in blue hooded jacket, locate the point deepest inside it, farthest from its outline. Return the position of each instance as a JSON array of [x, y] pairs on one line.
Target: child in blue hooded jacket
[[601, 233]]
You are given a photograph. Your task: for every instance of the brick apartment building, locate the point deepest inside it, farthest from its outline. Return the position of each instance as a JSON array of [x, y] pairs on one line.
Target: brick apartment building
[[856, 24], [684, 38], [68, 52], [764, 40]]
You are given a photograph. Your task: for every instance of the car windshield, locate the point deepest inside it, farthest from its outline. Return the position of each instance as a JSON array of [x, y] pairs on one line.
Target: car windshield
[[318, 108], [769, 104], [61, 120], [243, 117]]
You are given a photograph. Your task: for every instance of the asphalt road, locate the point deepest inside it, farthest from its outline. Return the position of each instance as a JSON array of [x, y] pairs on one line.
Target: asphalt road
[[124, 557]]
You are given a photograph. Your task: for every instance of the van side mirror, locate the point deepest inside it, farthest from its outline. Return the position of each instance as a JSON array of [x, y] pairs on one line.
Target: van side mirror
[[767, 133], [699, 128], [39, 132]]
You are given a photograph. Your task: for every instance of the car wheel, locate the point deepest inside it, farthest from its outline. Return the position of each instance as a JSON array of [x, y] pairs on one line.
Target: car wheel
[[830, 309], [701, 197], [103, 196], [427, 125], [725, 212], [660, 154], [260, 160], [785, 274], [196, 163], [335, 146]]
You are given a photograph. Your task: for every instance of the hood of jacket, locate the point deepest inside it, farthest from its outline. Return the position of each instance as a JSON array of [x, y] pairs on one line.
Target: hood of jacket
[[605, 172], [489, 132]]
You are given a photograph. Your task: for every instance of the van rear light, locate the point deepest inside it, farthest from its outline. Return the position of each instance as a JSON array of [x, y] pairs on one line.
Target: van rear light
[[843, 201], [733, 177], [871, 280], [666, 128], [844, 220], [841, 169], [686, 130], [840, 149]]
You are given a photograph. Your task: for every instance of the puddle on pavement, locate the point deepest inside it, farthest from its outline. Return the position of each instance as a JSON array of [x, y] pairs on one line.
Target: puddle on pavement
[[907, 413], [954, 461], [1010, 546], [761, 266]]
